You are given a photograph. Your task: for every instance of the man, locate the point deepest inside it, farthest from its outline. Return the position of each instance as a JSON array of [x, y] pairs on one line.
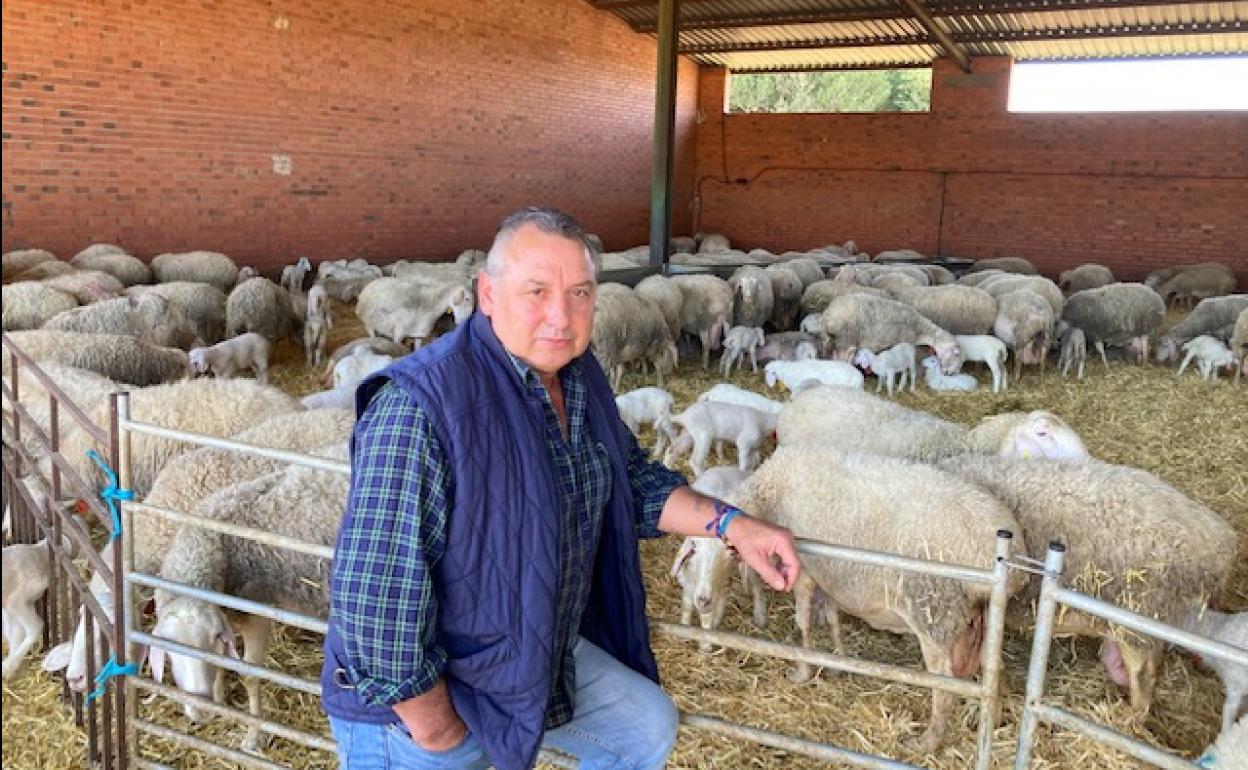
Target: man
[[486, 588]]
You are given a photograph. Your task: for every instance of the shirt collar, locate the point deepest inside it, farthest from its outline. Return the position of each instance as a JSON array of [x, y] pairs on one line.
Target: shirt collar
[[530, 378]]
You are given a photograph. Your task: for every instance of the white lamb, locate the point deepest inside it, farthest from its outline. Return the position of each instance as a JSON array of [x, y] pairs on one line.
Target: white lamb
[[939, 381], [739, 341], [1231, 628], [897, 360], [1074, 352], [352, 369], [1210, 354], [246, 351], [794, 373], [27, 568], [707, 421], [811, 324], [726, 393], [989, 350], [652, 405], [316, 325]]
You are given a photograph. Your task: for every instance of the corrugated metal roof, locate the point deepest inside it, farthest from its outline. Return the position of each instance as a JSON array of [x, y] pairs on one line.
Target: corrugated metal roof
[[775, 35]]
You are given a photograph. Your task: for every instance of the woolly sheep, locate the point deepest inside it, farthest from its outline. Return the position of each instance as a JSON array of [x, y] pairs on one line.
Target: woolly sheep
[[712, 242], [988, 350], [1089, 276], [1239, 344], [1074, 352], [1208, 317], [1153, 550], [27, 570], [15, 262], [87, 285], [146, 317], [936, 380], [43, 270], [726, 393], [978, 277], [1004, 264], [1210, 355], [806, 269], [752, 296], [246, 351], [1157, 277], [1231, 628], [709, 421], [333, 398], [345, 280], [198, 266], [875, 323], [667, 297], [115, 356], [896, 284], [30, 304], [1118, 314], [677, 244], [938, 275], [786, 291], [648, 405], [629, 328], [115, 261], [788, 346], [84, 388], [794, 373], [820, 294], [1197, 284], [853, 500], [959, 310], [738, 342], [1025, 322], [440, 273], [202, 303], [707, 310], [401, 310], [261, 306], [897, 360], [1000, 285]]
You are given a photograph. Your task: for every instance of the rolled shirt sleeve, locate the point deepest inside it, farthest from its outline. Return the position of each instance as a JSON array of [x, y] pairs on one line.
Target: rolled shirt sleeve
[[382, 596], [652, 483]]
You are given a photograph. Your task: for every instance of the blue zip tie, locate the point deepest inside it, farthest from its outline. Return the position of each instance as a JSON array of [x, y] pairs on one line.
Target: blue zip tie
[[111, 493], [110, 670]]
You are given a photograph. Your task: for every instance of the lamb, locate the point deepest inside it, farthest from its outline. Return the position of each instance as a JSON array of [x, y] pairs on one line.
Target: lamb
[[959, 310], [198, 266], [706, 311], [899, 359], [87, 286], [316, 325], [786, 290], [147, 317], [1210, 355], [938, 381], [629, 328], [1089, 276], [399, 309], [752, 296], [726, 393], [1025, 322], [351, 370], [875, 323], [853, 501], [739, 341], [788, 346], [203, 305], [27, 571], [989, 350], [666, 296], [1239, 344], [1232, 629], [1121, 313], [379, 345], [246, 351], [652, 405], [1197, 284], [345, 280], [333, 398], [261, 306], [14, 262], [707, 421], [294, 276], [30, 304], [1208, 317], [118, 357], [115, 261], [1004, 264], [1074, 351], [1164, 555], [794, 373]]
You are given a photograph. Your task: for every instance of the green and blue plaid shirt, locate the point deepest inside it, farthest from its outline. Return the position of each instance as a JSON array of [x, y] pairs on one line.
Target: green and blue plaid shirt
[[383, 596]]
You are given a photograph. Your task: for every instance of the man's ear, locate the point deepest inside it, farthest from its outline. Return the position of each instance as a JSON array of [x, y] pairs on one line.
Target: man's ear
[[485, 293]]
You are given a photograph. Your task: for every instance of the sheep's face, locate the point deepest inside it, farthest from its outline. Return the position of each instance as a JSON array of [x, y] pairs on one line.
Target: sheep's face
[[805, 351], [541, 303], [950, 357], [198, 625], [1167, 350], [72, 655], [703, 568], [1043, 434], [199, 360]]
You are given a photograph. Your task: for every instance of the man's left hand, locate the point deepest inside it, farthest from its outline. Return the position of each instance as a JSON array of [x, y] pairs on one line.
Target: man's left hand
[[767, 549]]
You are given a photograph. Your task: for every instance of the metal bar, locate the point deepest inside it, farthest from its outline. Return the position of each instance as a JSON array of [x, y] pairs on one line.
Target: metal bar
[[119, 456], [216, 442], [700, 49], [893, 561], [963, 687], [1038, 667], [823, 751], [233, 664], [81, 537], [928, 23], [302, 737], [211, 749], [74, 410], [994, 640], [237, 530], [306, 622], [1127, 619], [1099, 733], [664, 129]]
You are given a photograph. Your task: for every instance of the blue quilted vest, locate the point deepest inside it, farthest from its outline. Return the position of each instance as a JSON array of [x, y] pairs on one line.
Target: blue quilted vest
[[496, 581]]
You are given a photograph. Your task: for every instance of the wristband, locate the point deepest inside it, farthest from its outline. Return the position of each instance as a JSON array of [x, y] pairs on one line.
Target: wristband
[[724, 513]]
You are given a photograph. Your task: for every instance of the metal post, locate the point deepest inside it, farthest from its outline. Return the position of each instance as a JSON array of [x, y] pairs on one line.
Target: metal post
[[664, 128], [1037, 669], [994, 632], [123, 562]]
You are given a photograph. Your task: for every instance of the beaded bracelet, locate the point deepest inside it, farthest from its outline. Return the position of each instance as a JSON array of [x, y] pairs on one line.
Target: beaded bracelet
[[724, 513]]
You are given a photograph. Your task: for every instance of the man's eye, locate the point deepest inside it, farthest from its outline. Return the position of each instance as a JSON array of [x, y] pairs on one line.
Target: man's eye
[[537, 292], [580, 293]]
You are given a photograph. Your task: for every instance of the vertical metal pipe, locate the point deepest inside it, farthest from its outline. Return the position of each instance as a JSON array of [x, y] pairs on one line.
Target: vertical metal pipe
[[664, 128], [994, 632], [1046, 608], [123, 562], [51, 629]]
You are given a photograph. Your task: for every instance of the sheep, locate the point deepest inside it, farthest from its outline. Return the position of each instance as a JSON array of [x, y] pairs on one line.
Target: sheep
[[896, 284], [752, 297], [345, 280], [989, 350], [786, 290], [198, 266], [202, 303], [246, 351], [1208, 317], [1003, 284], [84, 388], [1239, 344], [811, 324], [938, 275], [1074, 351], [116, 356], [679, 244], [788, 346], [1232, 629], [806, 269], [87, 285], [245, 273], [652, 405], [978, 277], [629, 328], [147, 317], [1158, 277], [1025, 322], [899, 359], [667, 297], [115, 261], [1004, 264], [875, 323], [794, 373], [43, 270], [1197, 284], [1121, 313], [27, 570], [261, 306], [293, 276], [1153, 549], [333, 398], [820, 294], [726, 393], [15, 262], [707, 421], [399, 309], [1210, 355], [853, 500], [379, 345], [426, 273], [351, 370], [30, 304], [706, 311], [316, 325], [1089, 276], [739, 341], [936, 380], [711, 242], [959, 310]]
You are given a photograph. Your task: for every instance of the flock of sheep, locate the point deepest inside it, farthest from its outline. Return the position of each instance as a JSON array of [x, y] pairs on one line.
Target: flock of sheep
[[814, 322]]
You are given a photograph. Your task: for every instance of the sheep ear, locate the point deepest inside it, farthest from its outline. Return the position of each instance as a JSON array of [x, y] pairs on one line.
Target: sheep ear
[[685, 553], [226, 640], [156, 657], [58, 657]]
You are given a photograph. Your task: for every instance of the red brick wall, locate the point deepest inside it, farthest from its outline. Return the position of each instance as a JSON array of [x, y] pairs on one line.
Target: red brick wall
[[412, 128], [970, 179]]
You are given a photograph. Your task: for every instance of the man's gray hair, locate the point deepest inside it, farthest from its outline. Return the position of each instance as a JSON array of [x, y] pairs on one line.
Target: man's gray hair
[[548, 220]]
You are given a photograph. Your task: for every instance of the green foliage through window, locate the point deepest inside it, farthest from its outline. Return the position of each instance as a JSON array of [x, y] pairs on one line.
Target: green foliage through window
[[906, 90]]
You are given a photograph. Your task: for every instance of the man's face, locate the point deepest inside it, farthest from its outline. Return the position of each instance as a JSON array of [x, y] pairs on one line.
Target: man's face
[[542, 304]]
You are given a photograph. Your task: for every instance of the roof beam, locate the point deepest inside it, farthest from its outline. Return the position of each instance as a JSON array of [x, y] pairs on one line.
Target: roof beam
[[946, 42]]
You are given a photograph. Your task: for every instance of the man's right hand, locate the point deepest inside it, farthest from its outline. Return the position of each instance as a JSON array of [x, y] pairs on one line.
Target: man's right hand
[[432, 720]]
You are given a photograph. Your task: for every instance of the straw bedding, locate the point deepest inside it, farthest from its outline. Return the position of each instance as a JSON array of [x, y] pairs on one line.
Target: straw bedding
[[1192, 434]]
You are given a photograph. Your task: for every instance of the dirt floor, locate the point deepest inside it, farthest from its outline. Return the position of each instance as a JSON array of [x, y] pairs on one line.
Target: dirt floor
[[1192, 434]]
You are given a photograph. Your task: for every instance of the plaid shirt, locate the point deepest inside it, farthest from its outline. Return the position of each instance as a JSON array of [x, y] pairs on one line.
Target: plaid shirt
[[382, 592]]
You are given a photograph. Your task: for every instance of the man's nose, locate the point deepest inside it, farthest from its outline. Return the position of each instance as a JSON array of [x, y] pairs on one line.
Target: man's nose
[[557, 312]]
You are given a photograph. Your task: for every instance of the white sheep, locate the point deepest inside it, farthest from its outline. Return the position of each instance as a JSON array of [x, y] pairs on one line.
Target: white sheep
[[629, 328], [17, 262], [261, 306], [351, 370], [202, 303], [1209, 317], [1239, 344], [87, 285], [1210, 355], [115, 261], [886, 366], [960, 310], [43, 270], [860, 321], [147, 317], [726, 393], [334, 398], [794, 373], [116, 356], [752, 296], [1025, 322], [811, 324], [199, 266], [648, 405], [380, 345], [1074, 351], [292, 279], [316, 325], [1089, 276], [787, 346], [84, 388], [706, 312], [30, 304], [988, 350], [739, 341], [1118, 314], [1231, 628], [345, 280], [27, 569], [786, 290], [666, 296], [246, 351], [706, 422], [1197, 283], [401, 309], [937, 380]]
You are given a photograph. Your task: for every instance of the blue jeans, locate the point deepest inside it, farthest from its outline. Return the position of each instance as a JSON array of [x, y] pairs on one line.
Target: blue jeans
[[621, 721]]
